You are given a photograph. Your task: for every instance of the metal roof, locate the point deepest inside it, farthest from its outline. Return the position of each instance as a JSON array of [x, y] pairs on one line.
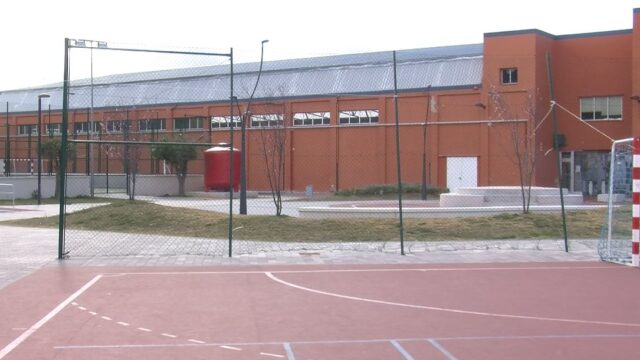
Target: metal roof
[[352, 74]]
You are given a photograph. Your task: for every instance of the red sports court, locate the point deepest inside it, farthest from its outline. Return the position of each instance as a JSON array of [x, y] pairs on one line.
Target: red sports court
[[564, 310]]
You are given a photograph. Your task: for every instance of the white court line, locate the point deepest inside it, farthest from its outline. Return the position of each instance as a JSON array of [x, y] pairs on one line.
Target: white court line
[[441, 348], [320, 271], [230, 347], [401, 350], [456, 311], [365, 341], [289, 351], [25, 335], [272, 355]]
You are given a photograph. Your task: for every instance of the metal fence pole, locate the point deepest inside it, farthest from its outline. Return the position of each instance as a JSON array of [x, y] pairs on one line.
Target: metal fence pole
[[63, 151], [395, 102]]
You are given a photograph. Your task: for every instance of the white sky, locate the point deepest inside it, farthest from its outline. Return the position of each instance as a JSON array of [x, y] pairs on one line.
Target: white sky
[[32, 32]]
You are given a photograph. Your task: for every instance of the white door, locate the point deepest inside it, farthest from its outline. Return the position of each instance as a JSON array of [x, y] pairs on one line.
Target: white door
[[462, 172]]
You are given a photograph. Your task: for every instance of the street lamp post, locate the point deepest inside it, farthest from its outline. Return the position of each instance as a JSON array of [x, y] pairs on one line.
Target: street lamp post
[[40, 97]]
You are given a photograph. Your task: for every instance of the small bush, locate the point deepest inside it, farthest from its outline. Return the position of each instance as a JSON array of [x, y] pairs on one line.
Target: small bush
[[375, 190]]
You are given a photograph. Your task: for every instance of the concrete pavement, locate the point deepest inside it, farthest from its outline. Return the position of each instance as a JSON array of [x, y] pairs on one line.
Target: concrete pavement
[[25, 250]]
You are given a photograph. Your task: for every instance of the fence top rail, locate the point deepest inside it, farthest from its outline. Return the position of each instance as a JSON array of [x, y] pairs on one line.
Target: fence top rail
[[123, 142]]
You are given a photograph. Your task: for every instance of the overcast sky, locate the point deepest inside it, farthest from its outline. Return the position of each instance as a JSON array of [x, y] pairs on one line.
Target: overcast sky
[[33, 31]]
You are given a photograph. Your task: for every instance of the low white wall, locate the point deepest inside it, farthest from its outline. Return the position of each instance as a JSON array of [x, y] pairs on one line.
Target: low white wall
[[159, 185], [26, 186], [79, 185]]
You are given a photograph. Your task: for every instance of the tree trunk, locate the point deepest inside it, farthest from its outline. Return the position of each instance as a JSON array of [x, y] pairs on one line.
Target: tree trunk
[[181, 180]]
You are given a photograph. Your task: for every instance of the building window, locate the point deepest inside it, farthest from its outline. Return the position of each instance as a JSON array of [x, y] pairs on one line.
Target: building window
[[116, 126], [27, 129], [218, 122], [267, 120], [53, 129], [311, 119], [83, 127], [149, 125], [601, 108], [359, 117], [509, 75], [188, 123]]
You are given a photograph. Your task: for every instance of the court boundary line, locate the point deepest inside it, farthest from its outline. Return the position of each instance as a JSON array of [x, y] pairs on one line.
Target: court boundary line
[[449, 310], [363, 341], [442, 349], [401, 350], [443, 269], [27, 333]]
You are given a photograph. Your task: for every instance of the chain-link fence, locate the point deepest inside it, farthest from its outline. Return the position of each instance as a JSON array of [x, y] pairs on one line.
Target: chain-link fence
[[616, 238], [315, 157]]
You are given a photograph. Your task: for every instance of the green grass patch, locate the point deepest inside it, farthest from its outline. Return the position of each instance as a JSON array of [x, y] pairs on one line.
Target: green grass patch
[[141, 217]]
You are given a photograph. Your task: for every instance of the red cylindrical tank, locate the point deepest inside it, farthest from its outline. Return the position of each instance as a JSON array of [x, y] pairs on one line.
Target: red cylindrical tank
[[217, 161]]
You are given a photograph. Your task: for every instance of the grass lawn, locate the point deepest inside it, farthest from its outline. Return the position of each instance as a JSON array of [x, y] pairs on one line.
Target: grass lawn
[[147, 218]]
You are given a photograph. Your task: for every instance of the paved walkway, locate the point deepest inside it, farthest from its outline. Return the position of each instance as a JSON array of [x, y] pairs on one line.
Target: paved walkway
[[25, 250]]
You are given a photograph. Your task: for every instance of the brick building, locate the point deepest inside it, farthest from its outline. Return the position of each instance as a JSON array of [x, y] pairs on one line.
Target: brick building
[[460, 106]]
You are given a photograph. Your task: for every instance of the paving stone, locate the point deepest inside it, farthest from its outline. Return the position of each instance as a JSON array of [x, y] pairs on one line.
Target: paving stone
[[25, 250]]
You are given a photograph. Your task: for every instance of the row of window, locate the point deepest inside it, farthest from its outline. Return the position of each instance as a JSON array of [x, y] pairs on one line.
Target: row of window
[[217, 122], [50, 129], [591, 108]]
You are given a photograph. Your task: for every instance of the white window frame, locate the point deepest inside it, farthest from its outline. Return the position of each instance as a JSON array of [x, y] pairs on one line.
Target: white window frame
[[84, 127], [112, 129], [267, 120], [312, 119], [22, 130], [56, 129], [359, 117], [146, 122], [511, 72], [195, 123], [607, 111], [222, 122]]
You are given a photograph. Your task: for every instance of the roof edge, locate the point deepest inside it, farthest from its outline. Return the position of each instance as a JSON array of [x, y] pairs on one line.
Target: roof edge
[[594, 34], [559, 37], [519, 32]]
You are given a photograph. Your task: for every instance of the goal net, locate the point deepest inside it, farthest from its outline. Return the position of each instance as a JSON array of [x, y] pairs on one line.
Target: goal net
[[616, 240]]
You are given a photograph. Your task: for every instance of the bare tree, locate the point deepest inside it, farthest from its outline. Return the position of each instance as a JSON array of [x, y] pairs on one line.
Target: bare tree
[[117, 125], [273, 139], [522, 137]]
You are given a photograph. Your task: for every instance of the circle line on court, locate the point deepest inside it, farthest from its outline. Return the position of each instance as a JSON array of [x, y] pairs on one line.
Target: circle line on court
[[450, 310]]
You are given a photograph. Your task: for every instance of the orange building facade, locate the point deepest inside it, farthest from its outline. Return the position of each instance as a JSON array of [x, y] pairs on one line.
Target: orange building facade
[[464, 130]]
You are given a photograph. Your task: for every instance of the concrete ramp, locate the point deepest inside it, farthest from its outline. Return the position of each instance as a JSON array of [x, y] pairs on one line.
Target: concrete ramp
[[506, 196]]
